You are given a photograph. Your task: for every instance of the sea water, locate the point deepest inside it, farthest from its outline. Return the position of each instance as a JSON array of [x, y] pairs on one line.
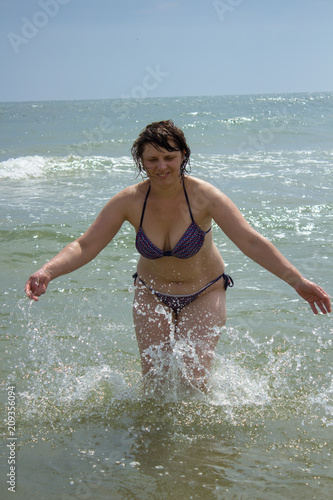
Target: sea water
[[75, 417]]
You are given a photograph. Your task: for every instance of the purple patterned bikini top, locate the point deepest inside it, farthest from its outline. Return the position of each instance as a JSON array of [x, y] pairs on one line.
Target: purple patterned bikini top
[[188, 245]]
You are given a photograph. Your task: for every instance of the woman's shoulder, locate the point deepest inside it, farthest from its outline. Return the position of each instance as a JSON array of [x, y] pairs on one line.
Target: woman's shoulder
[[133, 192], [128, 201], [199, 185], [201, 195]]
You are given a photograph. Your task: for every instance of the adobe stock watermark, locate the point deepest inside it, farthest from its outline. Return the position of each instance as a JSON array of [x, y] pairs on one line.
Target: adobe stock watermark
[[257, 141], [151, 80], [31, 27], [11, 439], [223, 8]]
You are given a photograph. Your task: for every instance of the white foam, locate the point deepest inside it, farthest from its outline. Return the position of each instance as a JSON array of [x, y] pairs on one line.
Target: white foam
[[26, 167], [235, 386], [65, 389], [23, 167], [93, 378]]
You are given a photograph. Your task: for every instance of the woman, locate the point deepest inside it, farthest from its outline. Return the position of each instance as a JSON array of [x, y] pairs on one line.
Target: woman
[[180, 292]]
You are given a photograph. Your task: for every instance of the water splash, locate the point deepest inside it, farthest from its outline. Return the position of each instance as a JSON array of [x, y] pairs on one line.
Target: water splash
[[69, 374]]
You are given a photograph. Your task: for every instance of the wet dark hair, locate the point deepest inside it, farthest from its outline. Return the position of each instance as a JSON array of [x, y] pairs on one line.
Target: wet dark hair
[[159, 135]]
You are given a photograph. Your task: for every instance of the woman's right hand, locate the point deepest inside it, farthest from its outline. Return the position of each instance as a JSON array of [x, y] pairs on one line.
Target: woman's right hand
[[37, 284]]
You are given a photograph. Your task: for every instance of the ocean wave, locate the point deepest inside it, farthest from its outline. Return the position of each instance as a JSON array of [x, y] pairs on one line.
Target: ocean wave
[[26, 167], [196, 113], [238, 120]]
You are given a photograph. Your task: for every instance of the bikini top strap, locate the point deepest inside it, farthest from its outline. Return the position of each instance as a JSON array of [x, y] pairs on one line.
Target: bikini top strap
[[144, 206], [188, 203], [145, 203]]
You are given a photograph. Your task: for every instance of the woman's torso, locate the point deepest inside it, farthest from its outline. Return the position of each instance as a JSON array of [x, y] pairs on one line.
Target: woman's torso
[[165, 222]]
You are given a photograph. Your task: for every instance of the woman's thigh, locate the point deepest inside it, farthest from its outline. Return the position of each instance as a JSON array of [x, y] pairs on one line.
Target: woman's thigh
[[198, 331], [154, 328], [187, 343]]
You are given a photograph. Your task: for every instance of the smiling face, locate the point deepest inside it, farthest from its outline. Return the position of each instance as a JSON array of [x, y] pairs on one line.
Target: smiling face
[[160, 164], [165, 137]]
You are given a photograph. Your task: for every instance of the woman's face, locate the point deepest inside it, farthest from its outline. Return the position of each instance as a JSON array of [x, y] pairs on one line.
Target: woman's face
[[162, 165]]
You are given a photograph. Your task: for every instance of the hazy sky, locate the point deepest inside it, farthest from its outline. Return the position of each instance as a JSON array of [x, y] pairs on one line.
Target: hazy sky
[[92, 49]]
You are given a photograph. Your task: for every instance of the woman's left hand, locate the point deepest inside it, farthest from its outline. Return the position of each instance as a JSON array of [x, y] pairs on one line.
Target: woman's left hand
[[315, 295]]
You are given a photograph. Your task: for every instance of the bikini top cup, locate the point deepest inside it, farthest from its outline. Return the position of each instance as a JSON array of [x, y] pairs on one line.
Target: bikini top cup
[[188, 245]]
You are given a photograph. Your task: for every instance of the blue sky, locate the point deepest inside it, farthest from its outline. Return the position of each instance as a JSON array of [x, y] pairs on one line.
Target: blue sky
[[95, 49]]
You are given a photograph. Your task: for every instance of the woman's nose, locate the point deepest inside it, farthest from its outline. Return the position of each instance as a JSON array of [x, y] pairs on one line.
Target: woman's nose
[[161, 164]]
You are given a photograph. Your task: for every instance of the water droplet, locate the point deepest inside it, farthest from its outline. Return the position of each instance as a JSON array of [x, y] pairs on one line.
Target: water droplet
[[159, 309]]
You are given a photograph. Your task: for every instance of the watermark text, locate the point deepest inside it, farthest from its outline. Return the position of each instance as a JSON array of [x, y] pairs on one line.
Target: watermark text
[[11, 438]]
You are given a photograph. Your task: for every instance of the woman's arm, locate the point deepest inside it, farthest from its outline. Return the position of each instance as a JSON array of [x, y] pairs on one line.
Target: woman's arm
[[262, 251], [84, 249]]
